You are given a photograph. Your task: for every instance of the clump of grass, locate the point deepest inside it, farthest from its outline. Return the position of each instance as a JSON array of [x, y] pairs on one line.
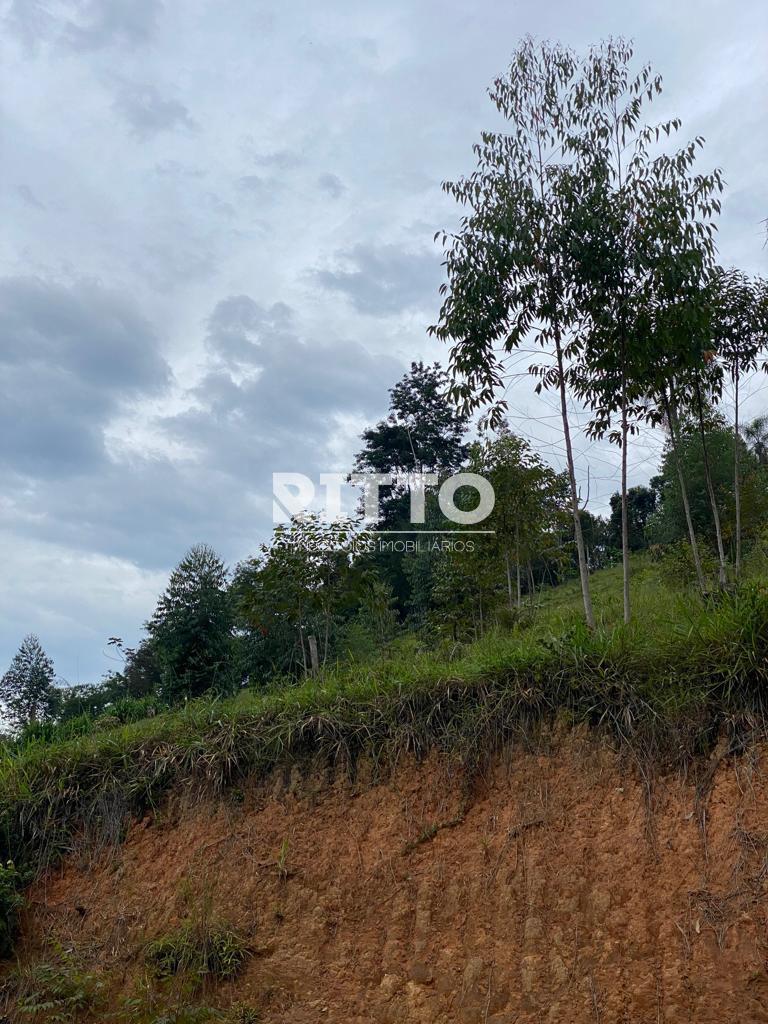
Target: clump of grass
[[200, 951], [242, 1013], [190, 1015]]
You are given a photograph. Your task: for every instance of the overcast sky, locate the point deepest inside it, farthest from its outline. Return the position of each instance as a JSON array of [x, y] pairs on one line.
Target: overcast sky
[[217, 256]]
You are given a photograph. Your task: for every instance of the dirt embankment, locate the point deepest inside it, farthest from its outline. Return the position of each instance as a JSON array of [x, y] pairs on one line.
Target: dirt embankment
[[548, 894]]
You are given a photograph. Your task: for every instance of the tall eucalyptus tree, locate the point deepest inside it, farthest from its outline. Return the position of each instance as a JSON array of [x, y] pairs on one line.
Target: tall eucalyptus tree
[[509, 264], [740, 333], [581, 233], [644, 245]]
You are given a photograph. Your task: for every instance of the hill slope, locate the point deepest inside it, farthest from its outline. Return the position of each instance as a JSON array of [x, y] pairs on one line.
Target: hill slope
[[552, 891], [500, 832]]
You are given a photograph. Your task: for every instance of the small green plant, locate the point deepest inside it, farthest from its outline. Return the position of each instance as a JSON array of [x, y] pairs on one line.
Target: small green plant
[[200, 951], [282, 859], [11, 901], [147, 1005], [189, 1015], [151, 1008], [58, 992], [241, 1013]]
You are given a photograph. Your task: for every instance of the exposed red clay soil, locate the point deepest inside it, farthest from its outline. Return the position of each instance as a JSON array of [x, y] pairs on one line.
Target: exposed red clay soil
[[549, 894]]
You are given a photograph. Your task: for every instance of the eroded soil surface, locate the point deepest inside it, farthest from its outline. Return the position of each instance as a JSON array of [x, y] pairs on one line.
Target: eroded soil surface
[[553, 892]]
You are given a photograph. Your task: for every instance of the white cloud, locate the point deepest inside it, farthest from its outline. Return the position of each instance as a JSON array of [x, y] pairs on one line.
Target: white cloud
[[73, 600]]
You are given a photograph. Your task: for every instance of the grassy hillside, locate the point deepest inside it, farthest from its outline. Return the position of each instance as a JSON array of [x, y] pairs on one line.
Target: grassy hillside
[[664, 690], [663, 686]]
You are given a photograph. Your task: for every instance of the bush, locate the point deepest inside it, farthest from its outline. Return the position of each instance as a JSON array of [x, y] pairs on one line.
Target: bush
[[189, 1015], [53, 732], [133, 709], [240, 1013], [59, 991], [201, 951], [676, 566]]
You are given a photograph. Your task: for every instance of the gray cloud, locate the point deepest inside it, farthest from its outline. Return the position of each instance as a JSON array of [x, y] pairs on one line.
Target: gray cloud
[[382, 280], [29, 20], [266, 400], [148, 113], [29, 197], [332, 185], [239, 327], [144, 509], [257, 187], [101, 23], [270, 397], [276, 160], [70, 358], [168, 263], [282, 160], [219, 206], [175, 169], [84, 25]]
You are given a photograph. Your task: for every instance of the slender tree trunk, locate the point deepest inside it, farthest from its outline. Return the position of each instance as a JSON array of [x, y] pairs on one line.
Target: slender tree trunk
[[721, 573], [531, 582], [736, 474], [624, 508], [303, 650], [624, 428], [672, 421], [578, 535], [509, 578], [326, 639], [315, 660], [517, 561]]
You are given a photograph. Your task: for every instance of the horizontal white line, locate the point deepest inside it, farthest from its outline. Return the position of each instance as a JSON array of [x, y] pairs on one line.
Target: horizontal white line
[[428, 531]]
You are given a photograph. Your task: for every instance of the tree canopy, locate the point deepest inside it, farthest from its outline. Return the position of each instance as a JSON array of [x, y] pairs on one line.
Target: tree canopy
[[27, 690]]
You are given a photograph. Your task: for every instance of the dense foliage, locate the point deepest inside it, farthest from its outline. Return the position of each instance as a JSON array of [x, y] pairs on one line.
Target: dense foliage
[[26, 689], [320, 595]]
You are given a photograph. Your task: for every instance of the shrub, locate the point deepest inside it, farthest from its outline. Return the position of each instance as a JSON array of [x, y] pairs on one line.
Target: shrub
[[240, 1013], [676, 566], [52, 732], [188, 1015], [105, 722], [133, 709], [59, 991], [200, 950]]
